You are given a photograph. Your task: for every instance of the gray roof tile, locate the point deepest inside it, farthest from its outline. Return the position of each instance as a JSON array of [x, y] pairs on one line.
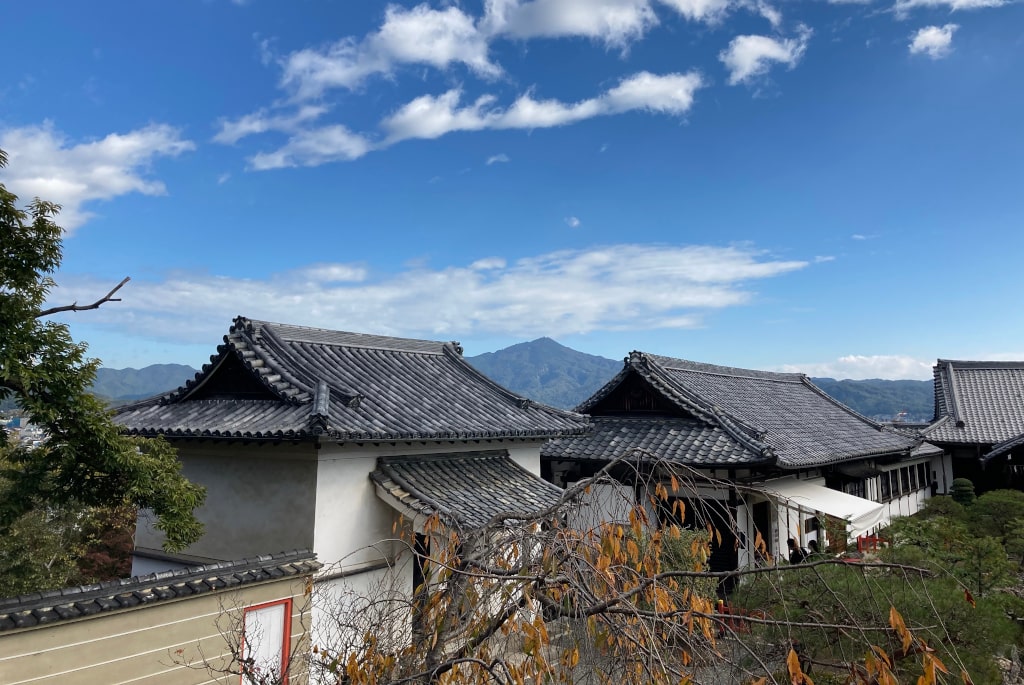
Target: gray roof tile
[[39, 608], [780, 417], [977, 402], [280, 381], [467, 489], [686, 441]]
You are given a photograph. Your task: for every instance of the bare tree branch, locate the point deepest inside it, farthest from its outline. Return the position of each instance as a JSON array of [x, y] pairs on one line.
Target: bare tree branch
[[75, 307]]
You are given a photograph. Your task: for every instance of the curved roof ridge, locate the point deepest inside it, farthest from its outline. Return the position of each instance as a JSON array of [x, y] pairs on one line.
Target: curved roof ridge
[[747, 435], [731, 371], [242, 341], [981, 364], [324, 336]]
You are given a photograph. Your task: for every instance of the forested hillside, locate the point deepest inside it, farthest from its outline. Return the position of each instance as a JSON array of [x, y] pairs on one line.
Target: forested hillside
[[547, 371], [882, 399]]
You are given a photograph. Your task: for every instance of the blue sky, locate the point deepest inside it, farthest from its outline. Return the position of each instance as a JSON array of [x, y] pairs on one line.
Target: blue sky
[[831, 187]]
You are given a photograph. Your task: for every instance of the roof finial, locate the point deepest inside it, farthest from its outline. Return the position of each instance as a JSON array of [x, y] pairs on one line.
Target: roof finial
[[321, 409]]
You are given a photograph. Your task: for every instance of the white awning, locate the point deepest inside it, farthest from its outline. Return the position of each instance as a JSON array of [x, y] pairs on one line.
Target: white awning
[[861, 514]]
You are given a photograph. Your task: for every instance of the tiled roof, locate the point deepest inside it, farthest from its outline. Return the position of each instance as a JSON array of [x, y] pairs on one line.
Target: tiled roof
[[977, 402], [279, 381], [41, 608], [780, 417], [1004, 447], [466, 489], [687, 441], [926, 449]]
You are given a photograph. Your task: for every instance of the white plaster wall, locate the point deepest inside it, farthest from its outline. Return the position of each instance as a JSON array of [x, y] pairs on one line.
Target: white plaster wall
[[353, 526], [340, 615], [942, 467], [605, 503], [527, 456]]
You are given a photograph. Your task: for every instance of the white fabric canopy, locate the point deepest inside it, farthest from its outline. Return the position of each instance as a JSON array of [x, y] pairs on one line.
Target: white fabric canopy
[[861, 514]]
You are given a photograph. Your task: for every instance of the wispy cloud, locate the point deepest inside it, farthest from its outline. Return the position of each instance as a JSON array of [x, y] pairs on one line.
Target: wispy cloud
[[572, 222], [904, 7], [314, 147], [44, 163], [934, 41], [617, 287], [233, 130], [750, 57], [431, 116], [500, 158], [862, 366]]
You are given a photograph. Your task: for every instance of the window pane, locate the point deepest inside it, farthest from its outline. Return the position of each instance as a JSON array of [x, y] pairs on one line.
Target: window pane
[[264, 640], [894, 482]]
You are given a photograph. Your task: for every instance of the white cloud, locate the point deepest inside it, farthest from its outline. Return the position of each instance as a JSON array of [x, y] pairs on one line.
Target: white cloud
[[858, 236], [420, 35], [821, 259], [262, 121], [773, 15], [314, 147], [934, 41], [749, 57], [43, 163], [860, 367], [223, 178], [903, 7], [498, 158], [615, 22], [572, 222], [616, 287], [488, 263], [710, 11], [431, 116]]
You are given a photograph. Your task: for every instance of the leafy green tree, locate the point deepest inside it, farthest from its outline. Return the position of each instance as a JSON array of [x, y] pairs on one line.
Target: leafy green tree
[[994, 513], [942, 505], [85, 461]]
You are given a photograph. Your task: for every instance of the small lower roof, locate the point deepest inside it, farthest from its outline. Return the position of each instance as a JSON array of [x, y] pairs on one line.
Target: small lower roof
[[42, 608], [1004, 447], [466, 489]]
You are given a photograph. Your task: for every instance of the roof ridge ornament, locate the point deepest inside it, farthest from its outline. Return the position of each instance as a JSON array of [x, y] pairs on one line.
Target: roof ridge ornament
[[319, 414]]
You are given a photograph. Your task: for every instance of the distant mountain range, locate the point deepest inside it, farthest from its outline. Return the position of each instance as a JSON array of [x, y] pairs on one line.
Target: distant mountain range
[[135, 384], [554, 374]]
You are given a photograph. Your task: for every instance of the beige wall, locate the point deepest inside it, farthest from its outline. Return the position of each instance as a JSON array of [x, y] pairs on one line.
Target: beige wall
[[260, 498], [140, 645]]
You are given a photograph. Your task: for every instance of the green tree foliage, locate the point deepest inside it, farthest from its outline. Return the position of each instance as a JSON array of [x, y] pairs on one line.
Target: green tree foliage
[[966, 638], [85, 461], [998, 512], [963, 491]]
